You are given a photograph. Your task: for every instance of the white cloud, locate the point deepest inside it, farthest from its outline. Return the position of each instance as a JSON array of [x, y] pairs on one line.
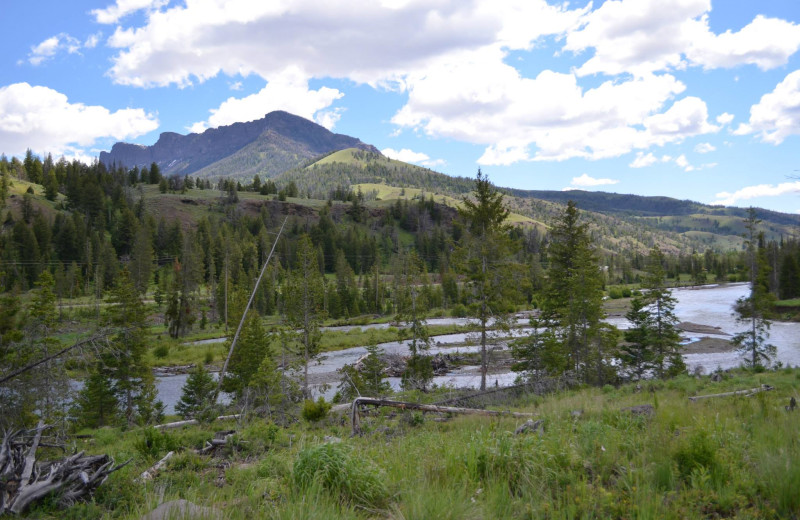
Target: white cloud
[[49, 47], [236, 85], [93, 39], [288, 91], [645, 36], [451, 59], [683, 162], [113, 13], [724, 118], [704, 148], [586, 181], [642, 160], [761, 190], [777, 115], [44, 120], [411, 156]]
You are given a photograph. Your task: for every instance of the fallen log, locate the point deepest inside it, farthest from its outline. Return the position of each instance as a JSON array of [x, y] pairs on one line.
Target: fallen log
[[748, 393], [25, 481], [151, 472], [178, 424], [355, 418]]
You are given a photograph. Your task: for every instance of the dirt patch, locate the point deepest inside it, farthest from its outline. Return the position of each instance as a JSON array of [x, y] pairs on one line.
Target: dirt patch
[[709, 346], [698, 328]]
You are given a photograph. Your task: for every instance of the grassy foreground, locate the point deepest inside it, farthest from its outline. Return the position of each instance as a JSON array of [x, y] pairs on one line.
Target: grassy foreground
[[729, 457]]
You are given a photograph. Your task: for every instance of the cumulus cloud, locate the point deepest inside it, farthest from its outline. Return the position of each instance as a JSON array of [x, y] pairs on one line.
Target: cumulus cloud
[[761, 190], [585, 181], [411, 156], [724, 118], [645, 36], [451, 59], [704, 148], [120, 9], [289, 91], [777, 115], [44, 120], [643, 160], [93, 39], [51, 46]]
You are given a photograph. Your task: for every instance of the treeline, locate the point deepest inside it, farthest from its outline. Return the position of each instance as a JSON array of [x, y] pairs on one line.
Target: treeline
[[100, 235]]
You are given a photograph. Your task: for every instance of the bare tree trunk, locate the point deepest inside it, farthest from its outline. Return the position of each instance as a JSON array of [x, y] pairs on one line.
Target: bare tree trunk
[[355, 419]]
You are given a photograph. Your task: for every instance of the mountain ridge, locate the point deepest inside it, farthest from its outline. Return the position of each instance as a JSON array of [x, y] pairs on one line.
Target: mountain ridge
[[290, 140]]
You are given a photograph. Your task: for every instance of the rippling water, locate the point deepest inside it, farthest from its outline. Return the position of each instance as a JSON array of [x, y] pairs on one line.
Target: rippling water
[[707, 306]]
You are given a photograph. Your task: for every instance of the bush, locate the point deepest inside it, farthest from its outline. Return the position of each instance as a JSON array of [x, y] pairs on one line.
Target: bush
[[349, 479], [154, 443], [626, 293], [161, 351], [614, 294], [315, 411], [697, 453], [458, 311]]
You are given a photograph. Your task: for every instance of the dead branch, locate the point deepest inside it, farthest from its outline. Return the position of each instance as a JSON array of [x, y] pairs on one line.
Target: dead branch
[[748, 393], [151, 472], [90, 340], [24, 481], [178, 424], [355, 419]]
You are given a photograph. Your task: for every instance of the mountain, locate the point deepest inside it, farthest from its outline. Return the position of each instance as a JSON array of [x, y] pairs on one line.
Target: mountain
[[268, 146]]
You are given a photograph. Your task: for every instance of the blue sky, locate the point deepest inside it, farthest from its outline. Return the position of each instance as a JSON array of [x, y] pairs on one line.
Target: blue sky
[[686, 98]]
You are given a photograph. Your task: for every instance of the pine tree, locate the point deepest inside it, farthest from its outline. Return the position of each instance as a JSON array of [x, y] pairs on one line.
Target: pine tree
[[664, 336], [197, 394], [133, 381], [303, 303], [485, 258], [573, 294], [251, 349], [96, 404], [754, 309], [411, 306]]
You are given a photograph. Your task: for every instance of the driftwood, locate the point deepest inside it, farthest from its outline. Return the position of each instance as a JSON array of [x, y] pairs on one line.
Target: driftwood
[[150, 473], [220, 439], [23, 481], [355, 418], [748, 393], [190, 422]]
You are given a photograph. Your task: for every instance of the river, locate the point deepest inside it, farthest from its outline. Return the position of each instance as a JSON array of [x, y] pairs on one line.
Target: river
[[708, 305]]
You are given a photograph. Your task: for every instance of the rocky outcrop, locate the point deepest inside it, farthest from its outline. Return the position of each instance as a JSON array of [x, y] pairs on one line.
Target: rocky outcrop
[[278, 140]]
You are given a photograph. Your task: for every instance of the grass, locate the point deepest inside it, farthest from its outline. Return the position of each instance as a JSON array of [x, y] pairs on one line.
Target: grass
[[734, 457]]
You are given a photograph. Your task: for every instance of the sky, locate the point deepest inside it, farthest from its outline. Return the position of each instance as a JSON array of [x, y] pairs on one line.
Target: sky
[[693, 99]]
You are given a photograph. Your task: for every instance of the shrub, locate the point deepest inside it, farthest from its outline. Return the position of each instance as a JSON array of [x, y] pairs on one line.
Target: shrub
[[315, 411], [626, 293], [614, 293], [161, 351], [458, 311], [154, 443], [349, 479], [697, 453]]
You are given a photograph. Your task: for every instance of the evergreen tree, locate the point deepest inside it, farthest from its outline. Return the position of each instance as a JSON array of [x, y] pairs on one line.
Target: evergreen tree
[[303, 303], [141, 265], [484, 257], [96, 404], [251, 349], [664, 337], [411, 306], [573, 294], [754, 309], [133, 381], [197, 394]]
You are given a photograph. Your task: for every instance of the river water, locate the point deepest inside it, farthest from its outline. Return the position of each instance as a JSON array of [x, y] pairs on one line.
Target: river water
[[709, 305]]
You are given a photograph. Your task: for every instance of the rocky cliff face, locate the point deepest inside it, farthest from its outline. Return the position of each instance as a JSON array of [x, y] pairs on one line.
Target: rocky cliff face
[[229, 146]]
